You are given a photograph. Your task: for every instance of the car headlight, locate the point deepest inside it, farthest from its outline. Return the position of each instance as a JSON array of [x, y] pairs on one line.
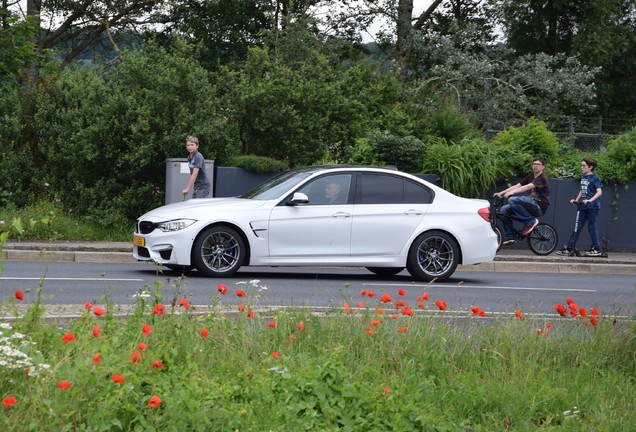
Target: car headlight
[[175, 225]]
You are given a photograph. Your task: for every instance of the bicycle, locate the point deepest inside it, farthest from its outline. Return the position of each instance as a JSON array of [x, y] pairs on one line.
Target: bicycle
[[543, 240]]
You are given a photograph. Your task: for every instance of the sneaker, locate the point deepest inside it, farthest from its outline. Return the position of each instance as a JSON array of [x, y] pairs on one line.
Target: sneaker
[[566, 251], [527, 229], [593, 252], [508, 241]]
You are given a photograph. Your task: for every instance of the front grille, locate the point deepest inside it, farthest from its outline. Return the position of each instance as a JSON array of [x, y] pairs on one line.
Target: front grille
[[145, 227]]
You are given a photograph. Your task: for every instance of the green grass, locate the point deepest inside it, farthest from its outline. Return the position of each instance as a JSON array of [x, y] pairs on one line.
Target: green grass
[[46, 220], [436, 374]]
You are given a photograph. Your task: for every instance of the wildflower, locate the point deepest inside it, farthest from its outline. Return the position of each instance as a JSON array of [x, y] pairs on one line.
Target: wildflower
[[519, 315], [407, 311], [347, 308], [594, 312], [425, 296], [240, 293], [63, 385], [159, 310], [19, 295], [98, 311], [88, 305], [476, 310], [204, 333], [276, 354], [394, 316], [385, 298], [241, 307], [251, 314], [222, 288], [146, 329], [593, 320], [9, 401], [387, 390], [68, 338], [300, 326], [560, 309], [96, 331], [370, 293], [118, 379], [399, 304], [401, 292], [142, 346], [154, 402], [549, 325], [379, 311], [156, 364], [441, 304], [402, 329], [375, 323], [569, 301], [184, 303], [271, 324], [363, 293], [135, 357], [97, 358], [369, 331], [583, 312]]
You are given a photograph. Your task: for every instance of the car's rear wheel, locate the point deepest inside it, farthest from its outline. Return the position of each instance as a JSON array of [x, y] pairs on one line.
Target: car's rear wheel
[[385, 271], [433, 256], [218, 251]]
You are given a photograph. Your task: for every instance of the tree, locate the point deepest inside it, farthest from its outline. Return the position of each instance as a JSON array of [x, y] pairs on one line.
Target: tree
[[17, 48]]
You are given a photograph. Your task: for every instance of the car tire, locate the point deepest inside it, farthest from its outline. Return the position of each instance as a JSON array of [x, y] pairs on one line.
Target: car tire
[[218, 251], [385, 271], [433, 256]]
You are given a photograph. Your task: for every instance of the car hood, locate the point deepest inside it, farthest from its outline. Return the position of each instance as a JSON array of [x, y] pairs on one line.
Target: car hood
[[199, 208]]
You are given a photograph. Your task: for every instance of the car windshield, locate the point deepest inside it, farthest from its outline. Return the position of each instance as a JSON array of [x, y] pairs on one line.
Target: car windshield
[[277, 186]]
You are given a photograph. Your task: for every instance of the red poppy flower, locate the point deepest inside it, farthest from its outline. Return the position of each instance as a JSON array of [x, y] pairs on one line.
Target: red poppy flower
[[402, 329], [594, 312], [63, 385], [68, 338], [549, 325], [241, 307], [98, 311], [222, 288], [118, 379], [276, 354], [156, 364], [300, 326], [363, 293], [474, 310], [425, 296], [441, 304], [394, 316], [135, 357], [205, 333], [583, 312], [240, 293], [97, 358], [96, 331], [154, 402], [159, 310], [347, 308], [9, 401], [88, 305], [569, 300], [142, 346], [271, 324], [375, 323], [519, 315], [593, 320], [560, 309], [401, 292], [369, 331], [146, 329], [360, 305], [251, 314], [19, 295], [385, 298], [421, 305], [184, 303], [370, 293], [407, 311], [399, 304], [387, 390]]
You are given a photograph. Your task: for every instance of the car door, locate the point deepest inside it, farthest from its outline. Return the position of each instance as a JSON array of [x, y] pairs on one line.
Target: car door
[[321, 228], [388, 209]]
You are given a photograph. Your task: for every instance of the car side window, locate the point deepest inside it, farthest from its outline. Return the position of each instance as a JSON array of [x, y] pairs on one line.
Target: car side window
[[328, 190], [388, 189]]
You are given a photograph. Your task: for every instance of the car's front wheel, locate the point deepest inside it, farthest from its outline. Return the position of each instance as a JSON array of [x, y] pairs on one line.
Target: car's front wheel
[[218, 251], [433, 256]]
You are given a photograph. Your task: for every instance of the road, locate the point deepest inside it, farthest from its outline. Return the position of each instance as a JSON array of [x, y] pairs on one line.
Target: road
[[76, 283]]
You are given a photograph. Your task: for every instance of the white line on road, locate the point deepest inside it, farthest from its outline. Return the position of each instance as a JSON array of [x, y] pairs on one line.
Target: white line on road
[[438, 285], [72, 279]]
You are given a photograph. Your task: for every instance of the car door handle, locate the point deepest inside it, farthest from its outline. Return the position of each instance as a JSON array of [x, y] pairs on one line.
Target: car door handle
[[413, 212], [341, 214]]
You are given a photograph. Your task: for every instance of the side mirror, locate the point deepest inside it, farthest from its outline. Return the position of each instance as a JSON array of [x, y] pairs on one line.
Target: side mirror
[[298, 198]]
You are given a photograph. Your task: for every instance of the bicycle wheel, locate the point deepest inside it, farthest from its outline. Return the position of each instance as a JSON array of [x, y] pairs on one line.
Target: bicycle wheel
[[499, 237], [543, 240]]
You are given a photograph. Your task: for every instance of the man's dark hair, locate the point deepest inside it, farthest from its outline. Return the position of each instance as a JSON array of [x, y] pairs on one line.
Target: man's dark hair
[[590, 162], [539, 159]]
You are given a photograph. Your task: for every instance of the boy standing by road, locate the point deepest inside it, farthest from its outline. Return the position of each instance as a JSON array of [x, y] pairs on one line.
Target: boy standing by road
[[196, 163], [590, 198]]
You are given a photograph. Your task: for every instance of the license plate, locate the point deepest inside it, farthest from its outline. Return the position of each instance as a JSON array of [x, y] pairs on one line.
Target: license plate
[[139, 241]]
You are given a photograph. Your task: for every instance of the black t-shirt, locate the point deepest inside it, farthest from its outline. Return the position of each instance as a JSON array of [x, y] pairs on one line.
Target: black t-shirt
[[541, 192]]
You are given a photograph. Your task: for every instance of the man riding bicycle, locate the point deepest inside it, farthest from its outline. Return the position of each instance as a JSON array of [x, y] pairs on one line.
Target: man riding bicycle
[[526, 208]]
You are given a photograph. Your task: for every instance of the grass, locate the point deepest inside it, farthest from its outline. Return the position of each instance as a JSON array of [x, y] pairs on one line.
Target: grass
[[48, 220], [370, 368]]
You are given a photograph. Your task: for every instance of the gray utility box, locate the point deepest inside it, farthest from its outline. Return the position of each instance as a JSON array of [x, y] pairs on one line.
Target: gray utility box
[[177, 175]]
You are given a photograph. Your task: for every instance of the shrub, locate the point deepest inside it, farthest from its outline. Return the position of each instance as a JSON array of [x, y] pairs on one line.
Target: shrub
[[618, 165], [404, 152], [257, 164]]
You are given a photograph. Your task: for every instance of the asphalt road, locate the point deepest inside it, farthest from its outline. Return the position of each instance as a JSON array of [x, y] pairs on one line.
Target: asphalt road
[[70, 283]]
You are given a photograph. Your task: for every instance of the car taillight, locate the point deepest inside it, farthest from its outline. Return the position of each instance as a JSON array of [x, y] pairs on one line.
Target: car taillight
[[484, 213]]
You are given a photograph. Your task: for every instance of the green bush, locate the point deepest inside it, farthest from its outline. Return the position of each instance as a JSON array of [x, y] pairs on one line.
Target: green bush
[[257, 164], [618, 165], [404, 152]]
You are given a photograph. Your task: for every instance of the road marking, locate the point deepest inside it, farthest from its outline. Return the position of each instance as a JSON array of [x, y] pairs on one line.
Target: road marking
[[71, 279], [440, 285]]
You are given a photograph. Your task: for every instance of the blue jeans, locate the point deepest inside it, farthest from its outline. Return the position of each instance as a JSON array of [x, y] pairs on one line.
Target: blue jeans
[[588, 216], [524, 208]]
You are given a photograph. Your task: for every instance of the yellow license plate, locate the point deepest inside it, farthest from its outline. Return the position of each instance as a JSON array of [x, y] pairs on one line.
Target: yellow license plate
[[139, 241]]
